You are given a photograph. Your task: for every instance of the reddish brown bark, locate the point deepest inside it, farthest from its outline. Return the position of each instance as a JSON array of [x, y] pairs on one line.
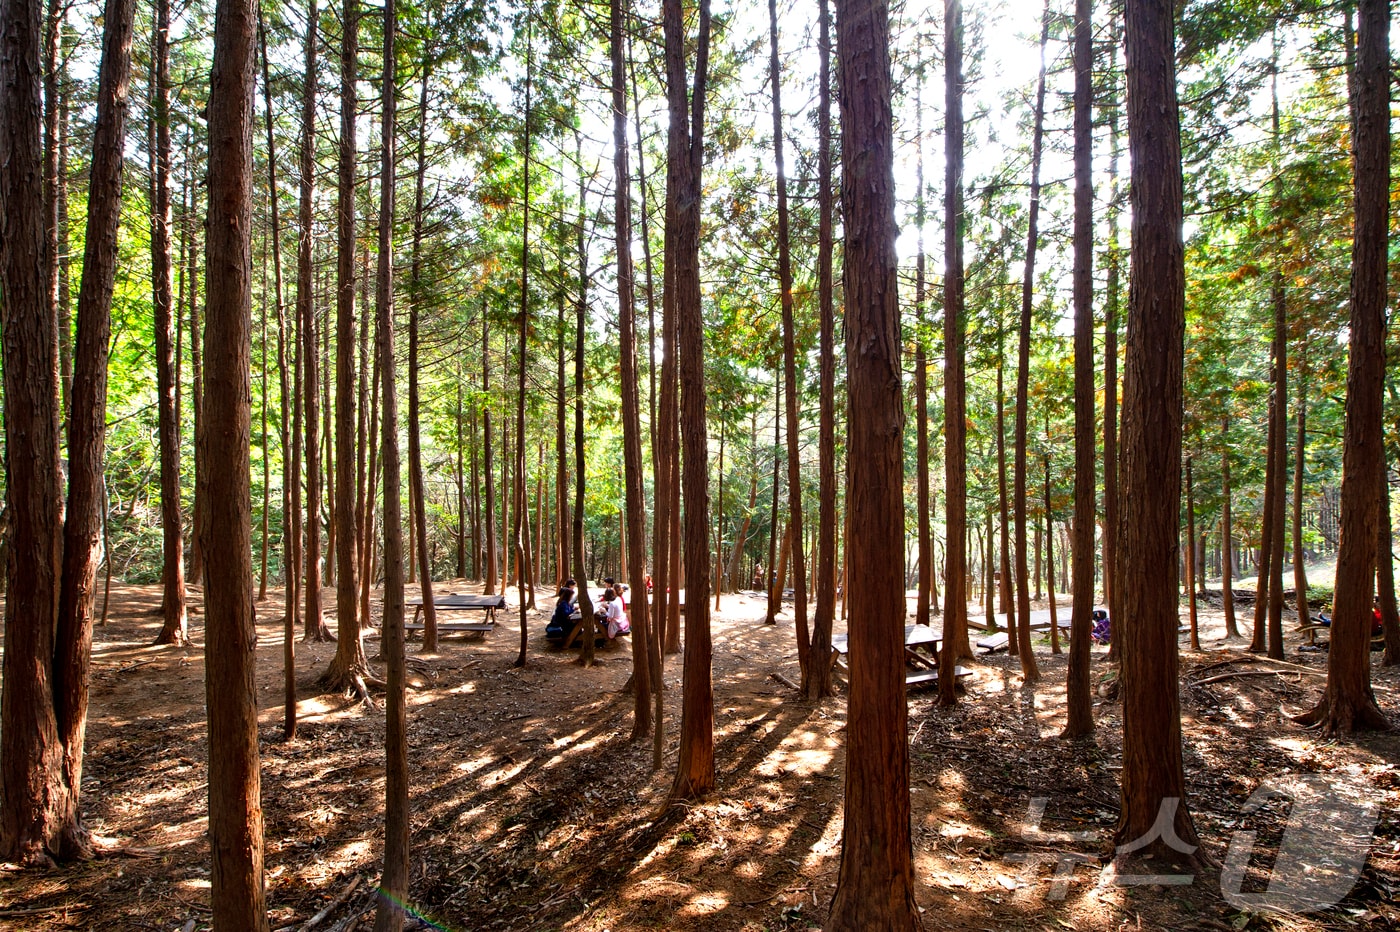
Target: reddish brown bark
[[416, 299], [695, 770], [1348, 704], [222, 467], [1148, 535], [633, 464], [349, 648], [954, 364], [1078, 698], [875, 886], [793, 426], [819, 683], [30, 752], [394, 884]]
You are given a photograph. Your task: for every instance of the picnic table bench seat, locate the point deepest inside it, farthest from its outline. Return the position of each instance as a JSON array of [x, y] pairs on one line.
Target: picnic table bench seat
[[455, 602]]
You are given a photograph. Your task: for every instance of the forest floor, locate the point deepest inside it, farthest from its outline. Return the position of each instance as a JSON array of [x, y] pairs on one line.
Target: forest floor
[[531, 809]]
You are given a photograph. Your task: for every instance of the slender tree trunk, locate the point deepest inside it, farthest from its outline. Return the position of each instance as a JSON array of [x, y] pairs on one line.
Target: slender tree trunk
[[1078, 698], [1054, 610], [1113, 292], [394, 885], [1279, 454], [921, 449], [1300, 570], [1153, 780], [492, 571], [561, 449], [819, 683], [416, 300], [314, 625], [1028, 665], [196, 565], [1191, 565], [174, 619], [30, 753], [1385, 577], [585, 601], [1013, 641], [772, 584], [462, 515], [87, 419], [349, 653], [695, 771], [1227, 541], [954, 374], [222, 467], [521, 537], [631, 404], [1264, 567], [794, 429], [875, 886], [1348, 703]]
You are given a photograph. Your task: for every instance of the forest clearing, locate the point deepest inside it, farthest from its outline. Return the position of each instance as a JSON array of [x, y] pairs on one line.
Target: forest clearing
[[532, 810], [1005, 549]]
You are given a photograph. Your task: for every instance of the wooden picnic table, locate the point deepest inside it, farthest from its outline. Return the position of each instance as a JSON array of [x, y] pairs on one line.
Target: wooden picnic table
[[920, 651], [487, 604]]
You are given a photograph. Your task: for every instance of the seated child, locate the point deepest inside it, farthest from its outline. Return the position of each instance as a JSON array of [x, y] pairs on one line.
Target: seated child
[[561, 621]]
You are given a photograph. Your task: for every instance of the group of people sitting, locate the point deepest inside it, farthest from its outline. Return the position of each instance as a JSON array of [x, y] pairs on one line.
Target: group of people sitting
[[610, 614]]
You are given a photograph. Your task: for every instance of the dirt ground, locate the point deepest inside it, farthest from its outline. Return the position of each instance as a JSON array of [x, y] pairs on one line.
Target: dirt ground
[[531, 810]]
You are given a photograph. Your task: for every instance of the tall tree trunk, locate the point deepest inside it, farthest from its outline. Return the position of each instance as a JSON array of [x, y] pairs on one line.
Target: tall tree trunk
[[561, 449], [54, 102], [1278, 453], [1078, 698], [1191, 565], [772, 584], [487, 469], [695, 771], [1348, 704], [1385, 577], [87, 418], [585, 601], [954, 363], [1113, 292], [1227, 540], [875, 886], [1264, 566], [462, 515], [1054, 610], [349, 650], [30, 753], [1029, 669], [394, 885], [174, 620], [921, 450], [1300, 570], [522, 512], [415, 302], [222, 468], [819, 683], [1013, 641], [631, 404], [196, 565], [794, 428], [1153, 781], [314, 624]]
